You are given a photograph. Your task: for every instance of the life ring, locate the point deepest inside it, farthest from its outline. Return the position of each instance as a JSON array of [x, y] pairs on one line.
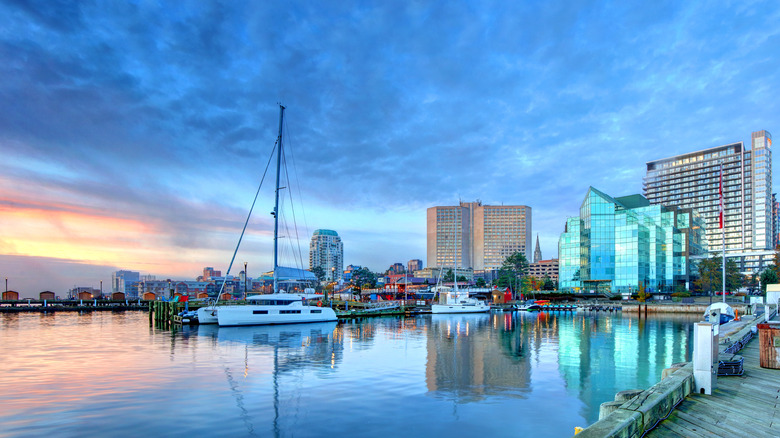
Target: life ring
[[319, 303]]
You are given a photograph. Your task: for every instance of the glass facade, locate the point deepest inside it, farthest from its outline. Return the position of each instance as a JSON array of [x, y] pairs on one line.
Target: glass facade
[[616, 244]]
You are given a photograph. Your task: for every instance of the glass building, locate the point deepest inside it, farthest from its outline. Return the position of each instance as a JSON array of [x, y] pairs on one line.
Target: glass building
[[616, 244], [692, 180]]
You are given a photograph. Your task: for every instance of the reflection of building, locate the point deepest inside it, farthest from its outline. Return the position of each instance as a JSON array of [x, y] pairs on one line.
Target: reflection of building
[[692, 180], [599, 356], [472, 235], [617, 244], [327, 252], [466, 363]]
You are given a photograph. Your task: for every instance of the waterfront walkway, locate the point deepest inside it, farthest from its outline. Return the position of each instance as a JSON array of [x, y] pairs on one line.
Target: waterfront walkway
[[745, 405]]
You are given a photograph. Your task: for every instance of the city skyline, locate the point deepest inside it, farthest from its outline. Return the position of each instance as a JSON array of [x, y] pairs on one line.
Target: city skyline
[[134, 136]]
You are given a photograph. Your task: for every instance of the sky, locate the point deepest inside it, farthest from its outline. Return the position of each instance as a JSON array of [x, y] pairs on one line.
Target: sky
[[134, 135]]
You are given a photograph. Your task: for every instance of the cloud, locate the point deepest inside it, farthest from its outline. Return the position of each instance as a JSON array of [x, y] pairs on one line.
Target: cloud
[[165, 113]]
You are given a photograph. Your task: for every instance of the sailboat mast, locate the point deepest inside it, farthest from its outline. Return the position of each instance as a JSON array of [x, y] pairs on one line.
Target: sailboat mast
[[276, 202]]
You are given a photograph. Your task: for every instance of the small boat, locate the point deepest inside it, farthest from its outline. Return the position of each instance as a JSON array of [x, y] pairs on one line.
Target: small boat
[[529, 306], [726, 312], [459, 302]]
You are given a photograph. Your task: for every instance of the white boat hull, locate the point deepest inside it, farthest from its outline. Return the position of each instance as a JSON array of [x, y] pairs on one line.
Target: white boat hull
[[230, 316], [459, 308], [207, 315]]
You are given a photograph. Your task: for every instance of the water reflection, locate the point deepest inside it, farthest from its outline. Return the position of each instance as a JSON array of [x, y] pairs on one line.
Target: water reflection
[[599, 355], [294, 347], [468, 360], [111, 374]]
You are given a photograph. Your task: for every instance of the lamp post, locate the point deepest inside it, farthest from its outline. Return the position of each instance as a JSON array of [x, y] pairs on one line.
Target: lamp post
[[246, 277]]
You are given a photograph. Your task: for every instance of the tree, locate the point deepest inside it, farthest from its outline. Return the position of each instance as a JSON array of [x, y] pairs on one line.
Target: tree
[[548, 283], [481, 282], [768, 276], [708, 274], [513, 267], [711, 275], [642, 295], [363, 279], [318, 272]]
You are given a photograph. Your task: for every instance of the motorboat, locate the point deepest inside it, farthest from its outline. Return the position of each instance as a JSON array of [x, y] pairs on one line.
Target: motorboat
[[529, 306], [726, 312]]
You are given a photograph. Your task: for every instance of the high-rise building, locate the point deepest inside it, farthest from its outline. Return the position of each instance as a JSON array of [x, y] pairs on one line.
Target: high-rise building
[[327, 251], [414, 265], [472, 235], [125, 281], [692, 180], [775, 221], [618, 244]]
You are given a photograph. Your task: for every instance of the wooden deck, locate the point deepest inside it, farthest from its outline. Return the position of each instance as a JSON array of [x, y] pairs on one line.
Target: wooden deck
[[745, 405]]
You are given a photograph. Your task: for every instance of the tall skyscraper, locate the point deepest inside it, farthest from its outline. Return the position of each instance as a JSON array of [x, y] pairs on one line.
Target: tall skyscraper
[[327, 251], [692, 180], [472, 235]]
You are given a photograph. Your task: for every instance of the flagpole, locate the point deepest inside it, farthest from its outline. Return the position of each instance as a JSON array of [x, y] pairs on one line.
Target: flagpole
[[723, 229]]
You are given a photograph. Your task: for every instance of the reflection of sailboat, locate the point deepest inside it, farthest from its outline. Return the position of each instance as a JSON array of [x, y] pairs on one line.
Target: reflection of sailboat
[[295, 347], [277, 336], [272, 308]]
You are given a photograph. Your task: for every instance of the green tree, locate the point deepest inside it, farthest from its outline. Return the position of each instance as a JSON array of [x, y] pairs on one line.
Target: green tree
[[363, 279], [768, 276], [711, 275], [511, 270], [318, 272], [548, 283], [481, 282]]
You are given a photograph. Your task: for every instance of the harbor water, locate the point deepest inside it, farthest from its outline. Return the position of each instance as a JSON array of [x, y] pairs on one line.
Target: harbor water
[[499, 374]]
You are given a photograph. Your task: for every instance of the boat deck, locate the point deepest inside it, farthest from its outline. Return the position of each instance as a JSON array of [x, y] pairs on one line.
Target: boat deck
[[746, 405]]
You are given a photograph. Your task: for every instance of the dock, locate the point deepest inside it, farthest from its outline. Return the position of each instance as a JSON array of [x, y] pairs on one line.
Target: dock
[[745, 405]]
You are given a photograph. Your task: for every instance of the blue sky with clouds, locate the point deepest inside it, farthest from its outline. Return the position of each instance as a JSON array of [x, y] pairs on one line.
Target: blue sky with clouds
[[158, 118]]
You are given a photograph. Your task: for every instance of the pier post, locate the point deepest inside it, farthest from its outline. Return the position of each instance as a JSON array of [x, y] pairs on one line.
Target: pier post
[[705, 356]]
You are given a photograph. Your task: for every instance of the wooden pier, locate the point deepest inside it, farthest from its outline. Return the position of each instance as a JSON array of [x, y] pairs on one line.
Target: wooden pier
[[746, 405]]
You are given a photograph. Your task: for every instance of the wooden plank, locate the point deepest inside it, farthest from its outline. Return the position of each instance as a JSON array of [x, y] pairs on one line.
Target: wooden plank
[[679, 425], [672, 429]]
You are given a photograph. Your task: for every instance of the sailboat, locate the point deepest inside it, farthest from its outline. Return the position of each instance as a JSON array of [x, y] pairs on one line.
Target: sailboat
[[456, 301], [274, 308]]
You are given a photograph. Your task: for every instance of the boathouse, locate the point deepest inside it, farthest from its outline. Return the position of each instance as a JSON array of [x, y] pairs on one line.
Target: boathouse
[[10, 295], [47, 295]]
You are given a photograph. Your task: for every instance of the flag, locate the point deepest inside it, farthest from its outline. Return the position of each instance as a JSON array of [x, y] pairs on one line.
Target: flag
[[720, 193]]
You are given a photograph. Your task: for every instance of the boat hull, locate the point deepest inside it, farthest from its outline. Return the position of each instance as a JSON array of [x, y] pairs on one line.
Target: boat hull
[[459, 308], [207, 315], [231, 316]]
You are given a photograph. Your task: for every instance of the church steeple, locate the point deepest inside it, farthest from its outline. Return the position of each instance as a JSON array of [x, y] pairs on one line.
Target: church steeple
[[537, 251]]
